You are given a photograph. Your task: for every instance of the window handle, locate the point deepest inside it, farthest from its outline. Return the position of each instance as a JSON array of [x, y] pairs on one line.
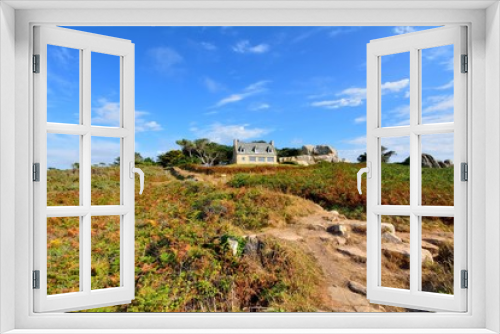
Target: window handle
[[138, 171], [368, 171]]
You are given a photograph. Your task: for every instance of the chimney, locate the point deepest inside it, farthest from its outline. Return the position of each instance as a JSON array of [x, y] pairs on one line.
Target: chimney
[[235, 143], [272, 142]]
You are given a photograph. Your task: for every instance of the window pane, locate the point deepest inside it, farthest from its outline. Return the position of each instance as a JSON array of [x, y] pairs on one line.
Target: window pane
[[437, 84], [63, 170], [395, 89], [105, 269], [395, 251], [105, 90], [63, 255], [395, 170], [105, 171], [437, 169], [437, 254], [63, 85]]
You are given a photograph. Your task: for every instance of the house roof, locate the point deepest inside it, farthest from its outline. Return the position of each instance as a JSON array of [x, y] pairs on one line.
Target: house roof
[[256, 149]]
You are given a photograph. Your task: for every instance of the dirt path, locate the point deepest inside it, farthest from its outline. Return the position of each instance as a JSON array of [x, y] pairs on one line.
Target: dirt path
[[345, 274], [340, 255]]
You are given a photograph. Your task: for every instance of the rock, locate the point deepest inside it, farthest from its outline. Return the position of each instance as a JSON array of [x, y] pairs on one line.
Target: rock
[[326, 158], [324, 150], [400, 253], [388, 227], [348, 298], [316, 227], [334, 213], [430, 247], [356, 253], [233, 245], [428, 161], [438, 240], [339, 229], [391, 238], [357, 288], [253, 246], [307, 150], [361, 228]]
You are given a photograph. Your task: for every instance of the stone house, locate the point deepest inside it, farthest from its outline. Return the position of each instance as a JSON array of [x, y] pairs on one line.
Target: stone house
[[254, 153]]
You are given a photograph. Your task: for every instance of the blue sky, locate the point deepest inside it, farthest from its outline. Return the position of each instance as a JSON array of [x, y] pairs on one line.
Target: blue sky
[[293, 85]]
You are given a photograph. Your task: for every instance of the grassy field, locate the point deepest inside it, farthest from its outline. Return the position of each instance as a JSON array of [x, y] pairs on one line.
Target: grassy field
[[183, 259]]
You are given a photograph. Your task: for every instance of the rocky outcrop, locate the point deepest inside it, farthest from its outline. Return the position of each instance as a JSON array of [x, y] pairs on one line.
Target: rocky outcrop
[[428, 161], [311, 154]]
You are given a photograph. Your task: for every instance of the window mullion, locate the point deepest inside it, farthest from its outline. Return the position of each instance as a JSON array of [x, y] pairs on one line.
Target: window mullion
[[85, 188], [414, 169]]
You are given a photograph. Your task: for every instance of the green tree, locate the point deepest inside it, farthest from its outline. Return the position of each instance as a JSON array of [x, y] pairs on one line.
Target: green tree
[[288, 152], [172, 158]]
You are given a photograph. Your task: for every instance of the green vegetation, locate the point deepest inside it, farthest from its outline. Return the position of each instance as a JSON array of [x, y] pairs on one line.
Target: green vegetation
[[334, 186], [183, 262]]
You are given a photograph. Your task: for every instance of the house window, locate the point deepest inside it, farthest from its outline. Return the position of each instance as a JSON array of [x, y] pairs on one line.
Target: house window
[[253, 159], [269, 159], [262, 159], [242, 158]]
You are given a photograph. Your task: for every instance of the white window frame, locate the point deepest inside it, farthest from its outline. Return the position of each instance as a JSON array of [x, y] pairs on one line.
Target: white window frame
[[413, 44], [86, 44], [483, 100]]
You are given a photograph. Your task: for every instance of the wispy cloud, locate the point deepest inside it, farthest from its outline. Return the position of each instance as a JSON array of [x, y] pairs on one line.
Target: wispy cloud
[[212, 85], [224, 134], [208, 46], [330, 31], [165, 59], [107, 113], [361, 119], [244, 46], [353, 97], [403, 30], [439, 103], [259, 106], [253, 89], [442, 55], [63, 56], [447, 85]]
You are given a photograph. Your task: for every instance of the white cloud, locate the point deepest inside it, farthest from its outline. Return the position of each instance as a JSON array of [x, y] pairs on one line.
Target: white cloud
[[244, 46], [142, 126], [165, 59], [353, 97], [447, 85], [63, 56], [253, 89], [212, 85], [440, 146], [439, 103], [208, 46], [260, 106], [224, 134], [107, 113], [297, 141], [403, 30], [394, 86], [361, 119]]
